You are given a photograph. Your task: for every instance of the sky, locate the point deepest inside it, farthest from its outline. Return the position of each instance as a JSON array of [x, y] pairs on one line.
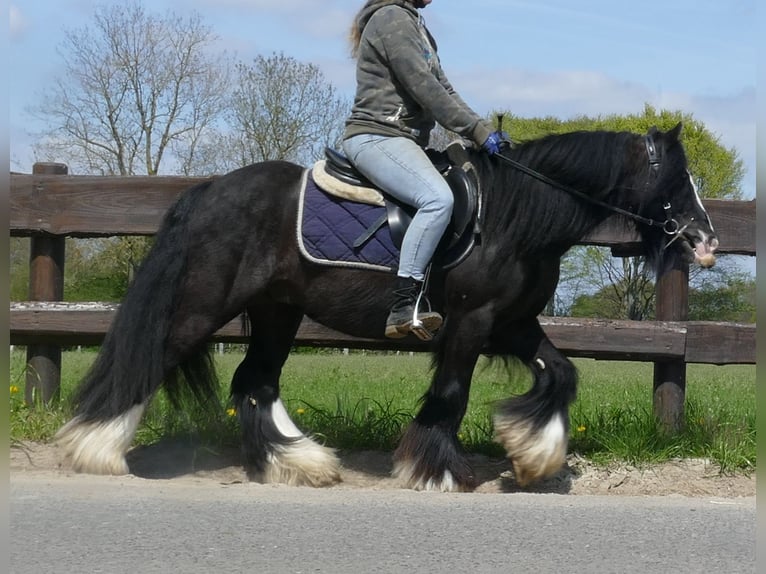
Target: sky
[[531, 57]]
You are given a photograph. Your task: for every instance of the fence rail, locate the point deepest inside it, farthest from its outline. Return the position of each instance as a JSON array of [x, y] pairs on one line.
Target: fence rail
[[70, 324], [49, 205]]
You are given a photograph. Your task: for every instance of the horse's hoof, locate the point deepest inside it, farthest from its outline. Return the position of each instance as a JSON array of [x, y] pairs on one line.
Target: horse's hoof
[[405, 472], [535, 455], [428, 458], [302, 463]]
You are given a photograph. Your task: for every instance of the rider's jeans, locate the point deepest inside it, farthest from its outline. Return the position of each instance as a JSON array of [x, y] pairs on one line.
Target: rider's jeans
[[401, 168]]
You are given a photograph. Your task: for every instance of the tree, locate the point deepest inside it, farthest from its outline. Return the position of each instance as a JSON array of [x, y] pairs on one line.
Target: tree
[[723, 295], [280, 109], [137, 92], [621, 287], [718, 169], [624, 287], [134, 87]]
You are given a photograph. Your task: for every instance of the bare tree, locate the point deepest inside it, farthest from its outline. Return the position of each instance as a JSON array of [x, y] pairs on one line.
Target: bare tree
[[137, 90], [280, 108], [624, 285]]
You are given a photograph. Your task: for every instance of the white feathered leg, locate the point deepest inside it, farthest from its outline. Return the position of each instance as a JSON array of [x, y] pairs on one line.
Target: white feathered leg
[[300, 460]]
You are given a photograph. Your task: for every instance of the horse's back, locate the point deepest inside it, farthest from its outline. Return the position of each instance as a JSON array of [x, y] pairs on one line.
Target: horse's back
[[260, 196]]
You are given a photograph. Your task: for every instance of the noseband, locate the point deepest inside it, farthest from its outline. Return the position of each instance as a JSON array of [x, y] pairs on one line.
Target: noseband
[[669, 226]]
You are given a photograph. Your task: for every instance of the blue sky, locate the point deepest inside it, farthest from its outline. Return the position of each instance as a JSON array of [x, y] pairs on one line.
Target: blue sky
[[535, 57]]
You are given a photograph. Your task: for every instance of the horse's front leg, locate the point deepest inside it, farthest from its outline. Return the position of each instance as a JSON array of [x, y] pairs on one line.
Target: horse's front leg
[[429, 455], [534, 427]]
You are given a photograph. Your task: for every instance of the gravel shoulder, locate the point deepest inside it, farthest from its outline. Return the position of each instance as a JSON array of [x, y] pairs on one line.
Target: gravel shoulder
[[184, 463]]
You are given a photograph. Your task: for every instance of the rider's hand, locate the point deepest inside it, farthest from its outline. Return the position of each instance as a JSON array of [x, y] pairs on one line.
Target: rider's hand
[[496, 142]]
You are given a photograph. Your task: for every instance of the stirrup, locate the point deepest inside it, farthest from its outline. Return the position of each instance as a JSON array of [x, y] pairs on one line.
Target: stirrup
[[417, 327]]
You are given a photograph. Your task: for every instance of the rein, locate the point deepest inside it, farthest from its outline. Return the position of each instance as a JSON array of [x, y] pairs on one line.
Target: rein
[[669, 226]]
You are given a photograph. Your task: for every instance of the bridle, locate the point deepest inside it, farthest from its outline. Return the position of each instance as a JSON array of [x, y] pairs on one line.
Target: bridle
[[670, 226]]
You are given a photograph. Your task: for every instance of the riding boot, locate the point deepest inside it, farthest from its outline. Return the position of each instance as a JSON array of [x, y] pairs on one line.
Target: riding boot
[[400, 319]]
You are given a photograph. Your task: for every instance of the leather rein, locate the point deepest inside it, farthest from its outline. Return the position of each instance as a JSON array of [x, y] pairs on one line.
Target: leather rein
[[669, 226]]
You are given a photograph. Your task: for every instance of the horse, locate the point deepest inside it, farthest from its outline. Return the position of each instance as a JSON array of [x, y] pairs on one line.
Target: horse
[[228, 246]]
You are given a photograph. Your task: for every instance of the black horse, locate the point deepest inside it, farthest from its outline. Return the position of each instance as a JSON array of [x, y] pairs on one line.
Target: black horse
[[229, 246]]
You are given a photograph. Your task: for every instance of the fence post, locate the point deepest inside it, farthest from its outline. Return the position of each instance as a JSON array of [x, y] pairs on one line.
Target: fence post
[[46, 283], [672, 304]]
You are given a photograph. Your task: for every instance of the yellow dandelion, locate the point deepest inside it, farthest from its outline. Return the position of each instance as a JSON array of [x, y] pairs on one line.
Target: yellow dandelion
[[300, 411], [14, 389], [231, 412], [581, 428]]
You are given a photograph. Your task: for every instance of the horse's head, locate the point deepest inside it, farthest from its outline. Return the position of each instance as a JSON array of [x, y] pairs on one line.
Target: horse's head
[[687, 227]]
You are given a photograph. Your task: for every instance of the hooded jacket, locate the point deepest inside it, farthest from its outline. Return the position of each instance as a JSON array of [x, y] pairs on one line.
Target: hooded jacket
[[401, 87]]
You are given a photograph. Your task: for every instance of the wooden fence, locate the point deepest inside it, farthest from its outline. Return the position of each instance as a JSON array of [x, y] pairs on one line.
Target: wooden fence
[[49, 205]]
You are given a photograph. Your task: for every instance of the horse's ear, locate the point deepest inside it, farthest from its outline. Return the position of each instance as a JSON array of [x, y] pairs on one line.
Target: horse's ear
[[675, 133]]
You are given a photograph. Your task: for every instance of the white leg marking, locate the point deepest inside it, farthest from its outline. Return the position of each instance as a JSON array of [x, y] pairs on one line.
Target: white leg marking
[[302, 462], [100, 447], [285, 424], [535, 455]]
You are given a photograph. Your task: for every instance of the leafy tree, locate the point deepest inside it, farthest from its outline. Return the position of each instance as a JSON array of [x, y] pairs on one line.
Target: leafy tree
[[718, 169], [723, 296], [19, 269], [729, 296]]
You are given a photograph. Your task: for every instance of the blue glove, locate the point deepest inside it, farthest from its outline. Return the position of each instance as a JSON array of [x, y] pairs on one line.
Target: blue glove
[[496, 142]]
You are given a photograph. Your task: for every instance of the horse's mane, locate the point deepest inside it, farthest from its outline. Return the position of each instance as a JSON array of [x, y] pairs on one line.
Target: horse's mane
[[536, 217]]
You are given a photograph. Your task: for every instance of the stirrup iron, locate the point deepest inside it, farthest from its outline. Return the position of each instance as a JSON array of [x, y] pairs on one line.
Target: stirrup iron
[[417, 327]]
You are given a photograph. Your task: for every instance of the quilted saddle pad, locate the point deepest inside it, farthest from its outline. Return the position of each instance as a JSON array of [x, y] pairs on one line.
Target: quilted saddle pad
[[329, 226]]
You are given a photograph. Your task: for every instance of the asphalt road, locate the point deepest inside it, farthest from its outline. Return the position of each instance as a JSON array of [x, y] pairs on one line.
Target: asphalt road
[[105, 525]]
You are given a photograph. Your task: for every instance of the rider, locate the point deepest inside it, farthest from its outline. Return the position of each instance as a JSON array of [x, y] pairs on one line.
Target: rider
[[401, 92]]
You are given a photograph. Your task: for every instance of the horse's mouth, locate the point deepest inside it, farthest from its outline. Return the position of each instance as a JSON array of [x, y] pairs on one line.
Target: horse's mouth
[[699, 248]]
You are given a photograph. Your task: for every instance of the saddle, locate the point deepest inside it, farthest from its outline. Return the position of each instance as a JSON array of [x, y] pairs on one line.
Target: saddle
[[337, 176]]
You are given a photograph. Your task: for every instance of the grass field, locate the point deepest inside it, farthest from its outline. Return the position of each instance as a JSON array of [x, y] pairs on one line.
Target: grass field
[[364, 400]]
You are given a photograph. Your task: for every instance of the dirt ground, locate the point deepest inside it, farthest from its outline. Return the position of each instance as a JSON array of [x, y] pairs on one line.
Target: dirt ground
[[183, 462]]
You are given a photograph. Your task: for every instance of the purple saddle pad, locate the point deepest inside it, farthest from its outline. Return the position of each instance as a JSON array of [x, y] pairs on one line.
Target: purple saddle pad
[[328, 227]]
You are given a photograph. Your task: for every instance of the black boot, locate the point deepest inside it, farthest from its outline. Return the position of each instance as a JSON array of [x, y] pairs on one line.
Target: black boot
[[400, 319]]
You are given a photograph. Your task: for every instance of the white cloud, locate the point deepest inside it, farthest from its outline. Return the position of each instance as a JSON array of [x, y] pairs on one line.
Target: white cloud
[[562, 94], [17, 22]]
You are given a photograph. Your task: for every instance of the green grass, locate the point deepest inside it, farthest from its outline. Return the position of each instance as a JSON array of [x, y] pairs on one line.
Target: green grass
[[364, 400]]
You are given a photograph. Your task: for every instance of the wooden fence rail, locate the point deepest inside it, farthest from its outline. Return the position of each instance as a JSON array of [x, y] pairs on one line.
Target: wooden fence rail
[[49, 205]]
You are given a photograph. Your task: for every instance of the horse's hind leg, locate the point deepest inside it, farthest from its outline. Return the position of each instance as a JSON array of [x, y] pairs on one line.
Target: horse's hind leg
[[534, 427], [126, 375], [274, 449]]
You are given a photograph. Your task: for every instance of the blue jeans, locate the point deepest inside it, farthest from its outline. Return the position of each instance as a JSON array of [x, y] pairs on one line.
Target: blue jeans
[[402, 169]]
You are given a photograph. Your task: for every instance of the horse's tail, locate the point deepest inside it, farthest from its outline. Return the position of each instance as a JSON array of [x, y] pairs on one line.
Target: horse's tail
[[132, 362]]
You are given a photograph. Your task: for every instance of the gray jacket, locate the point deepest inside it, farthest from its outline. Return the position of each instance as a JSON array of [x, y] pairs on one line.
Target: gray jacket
[[401, 87]]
